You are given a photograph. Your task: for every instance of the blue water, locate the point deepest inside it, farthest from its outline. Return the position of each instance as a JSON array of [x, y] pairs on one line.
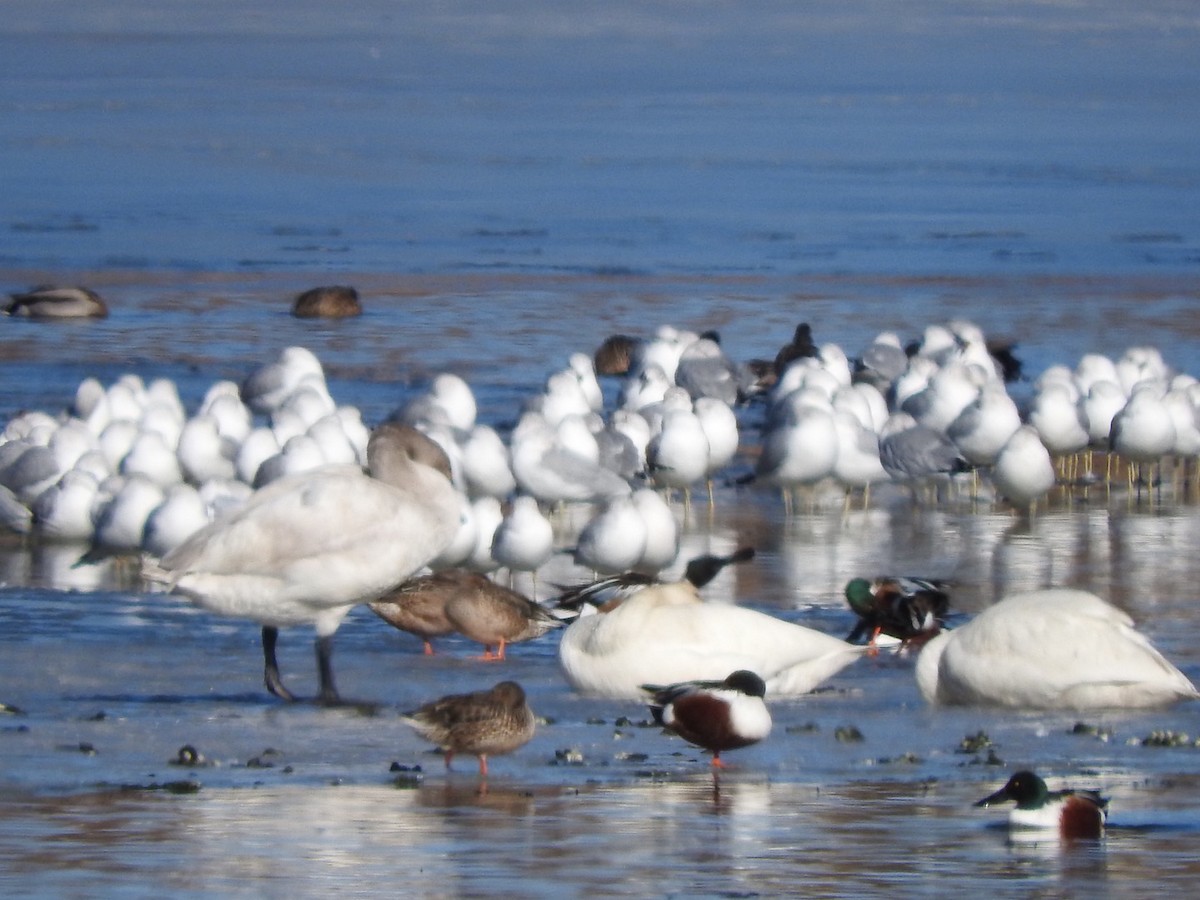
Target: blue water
[[507, 184], [705, 137]]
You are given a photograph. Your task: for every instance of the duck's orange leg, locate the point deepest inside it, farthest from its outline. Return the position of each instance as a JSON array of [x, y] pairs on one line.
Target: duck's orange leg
[[493, 657], [872, 648]]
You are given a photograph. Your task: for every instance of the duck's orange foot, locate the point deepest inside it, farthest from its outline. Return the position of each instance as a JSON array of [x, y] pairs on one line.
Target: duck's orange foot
[[491, 656]]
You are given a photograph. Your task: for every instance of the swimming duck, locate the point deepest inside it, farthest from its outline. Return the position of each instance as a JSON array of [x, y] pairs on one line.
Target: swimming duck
[[307, 548], [665, 634], [495, 616], [615, 354], [714, 715], [1049, 649], [1072, 813], [909, 609], [482, 723], [329, 302], [47, 301]]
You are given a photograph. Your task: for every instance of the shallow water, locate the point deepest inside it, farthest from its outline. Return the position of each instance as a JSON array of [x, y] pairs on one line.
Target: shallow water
[[113, 683], [505, 189]]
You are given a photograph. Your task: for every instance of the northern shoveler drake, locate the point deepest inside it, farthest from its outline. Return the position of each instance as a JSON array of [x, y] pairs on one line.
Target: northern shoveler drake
[[714, 715], [1049, 649], [47, 301], [1074, 814], [482, 723], [666, 634], [329, 302], [908, 609]]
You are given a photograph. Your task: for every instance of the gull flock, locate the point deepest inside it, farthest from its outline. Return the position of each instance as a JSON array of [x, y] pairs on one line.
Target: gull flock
[[126, 469]]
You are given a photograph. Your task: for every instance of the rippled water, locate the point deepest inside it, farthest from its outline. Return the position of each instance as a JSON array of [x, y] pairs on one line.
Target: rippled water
[[504, 189]]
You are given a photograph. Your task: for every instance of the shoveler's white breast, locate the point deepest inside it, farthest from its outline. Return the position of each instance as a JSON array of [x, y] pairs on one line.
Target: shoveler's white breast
[[1051, 649], [1047, 816], [748, 716], [1070, 816]]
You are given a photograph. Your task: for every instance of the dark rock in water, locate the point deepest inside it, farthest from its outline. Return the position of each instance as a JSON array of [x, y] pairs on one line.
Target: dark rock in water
[[189, 757], [82, 747], [181, 786], [1168, 738], [974, 743], [406, 780], [848, 734], [406, 777], [1097, 731], [265, 760], [570, 756]]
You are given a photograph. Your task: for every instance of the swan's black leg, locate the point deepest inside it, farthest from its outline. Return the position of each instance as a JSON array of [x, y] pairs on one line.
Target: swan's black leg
[[328, 694], [274, 683]]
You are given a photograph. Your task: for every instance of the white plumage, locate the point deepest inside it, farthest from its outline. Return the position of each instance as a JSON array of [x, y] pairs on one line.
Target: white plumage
[[309, 547], [1049, 649], [665, 634]]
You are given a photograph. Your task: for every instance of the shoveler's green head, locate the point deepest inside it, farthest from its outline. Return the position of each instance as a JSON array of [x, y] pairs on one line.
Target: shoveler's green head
[[749, 683], [1025, 788], [859, 596]]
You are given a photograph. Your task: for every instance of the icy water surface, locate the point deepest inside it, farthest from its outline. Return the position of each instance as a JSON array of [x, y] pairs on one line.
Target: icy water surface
[[506, 187]]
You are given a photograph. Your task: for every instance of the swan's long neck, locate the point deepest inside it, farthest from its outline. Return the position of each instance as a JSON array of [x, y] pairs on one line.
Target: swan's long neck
[[400, 456]]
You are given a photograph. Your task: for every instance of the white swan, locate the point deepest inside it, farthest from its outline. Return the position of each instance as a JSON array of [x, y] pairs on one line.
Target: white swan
[[666, 634], [1049, 649], [309, 547]]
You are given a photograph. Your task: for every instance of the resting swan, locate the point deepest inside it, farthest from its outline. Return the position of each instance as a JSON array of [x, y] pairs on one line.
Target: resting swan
[[1049, 649], [665, 634]]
